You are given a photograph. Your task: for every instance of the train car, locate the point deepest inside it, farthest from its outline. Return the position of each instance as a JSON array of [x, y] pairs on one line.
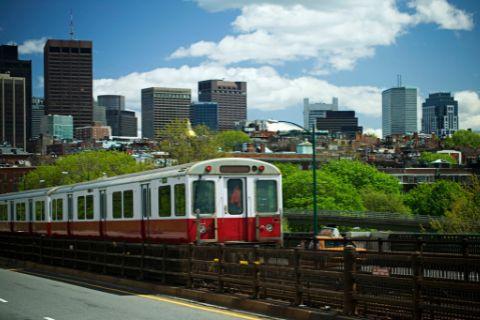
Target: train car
[[221, 200]]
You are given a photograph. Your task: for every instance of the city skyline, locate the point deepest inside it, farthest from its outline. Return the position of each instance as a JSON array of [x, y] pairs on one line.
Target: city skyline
[[419, 38]]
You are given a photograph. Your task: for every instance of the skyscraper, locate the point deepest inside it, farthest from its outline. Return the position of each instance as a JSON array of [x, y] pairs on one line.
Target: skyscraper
[[204, 113], [339, 123], [38, 111], [110, 101], [162, 105], [440, 114], [13, 118], [231, 98], [312, 111], [122, 122], [10, 63], [68, 80], [399, 111]]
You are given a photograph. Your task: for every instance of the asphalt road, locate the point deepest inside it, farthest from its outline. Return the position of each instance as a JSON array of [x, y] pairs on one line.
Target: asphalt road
[[25, 296]]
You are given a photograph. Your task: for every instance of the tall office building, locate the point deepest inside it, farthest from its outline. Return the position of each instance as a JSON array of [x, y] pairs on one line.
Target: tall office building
[[440, 114], [312, 111], [68, 80], [13, 109], [231, 98], [123, 123], [10, 63], [339, 123], [57, 126], [399, 111], [99, 114], [204, 113], [162, 105], [110, 101], [38, 111]]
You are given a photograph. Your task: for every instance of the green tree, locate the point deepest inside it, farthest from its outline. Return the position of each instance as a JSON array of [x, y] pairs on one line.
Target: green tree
[[186, 145], [379, 201], [230, 139], [428, 157], [333, 193], [362, 175], [464, 215], [84, 166], [433, 199], [463, 139]]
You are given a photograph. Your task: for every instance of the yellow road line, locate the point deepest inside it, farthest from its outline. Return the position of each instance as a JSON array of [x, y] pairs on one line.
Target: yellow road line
[[152, 297]]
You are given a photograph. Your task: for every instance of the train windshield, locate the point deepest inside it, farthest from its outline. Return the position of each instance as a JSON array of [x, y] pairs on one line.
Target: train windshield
[[266, 196], [203, 197]]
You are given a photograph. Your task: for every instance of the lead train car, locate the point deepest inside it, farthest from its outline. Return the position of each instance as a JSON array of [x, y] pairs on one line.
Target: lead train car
[[220, 200]]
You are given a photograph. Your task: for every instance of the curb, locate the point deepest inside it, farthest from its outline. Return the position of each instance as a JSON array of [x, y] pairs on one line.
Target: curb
[[224, 300]]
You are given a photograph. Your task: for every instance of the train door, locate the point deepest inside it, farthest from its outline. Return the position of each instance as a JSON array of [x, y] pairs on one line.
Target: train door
[[235, 224], [30, 215], [146, 210], [69, 213], [103, 213]]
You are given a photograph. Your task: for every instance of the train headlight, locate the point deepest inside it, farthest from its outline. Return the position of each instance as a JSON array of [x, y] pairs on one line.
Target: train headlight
[[202, 228], [269, 227]]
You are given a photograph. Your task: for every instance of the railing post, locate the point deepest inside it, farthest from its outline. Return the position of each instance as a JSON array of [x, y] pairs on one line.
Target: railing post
[[41, 250], [465, 253], [298, 282], [104, 269], [221, 257], [164, 263], [142, 261], [75, 253], [123, 258], [417, 277], [380, 245], [89, 265], [349, 261], [189, 266], [256, 269]]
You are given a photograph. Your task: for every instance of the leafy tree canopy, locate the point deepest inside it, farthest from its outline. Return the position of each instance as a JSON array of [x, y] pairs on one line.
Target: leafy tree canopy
[[84, 166], [362, 175], [228, 140], [463, 139], [428, 157], [464, 215], [379, 201], [434, 199], [186, 146]]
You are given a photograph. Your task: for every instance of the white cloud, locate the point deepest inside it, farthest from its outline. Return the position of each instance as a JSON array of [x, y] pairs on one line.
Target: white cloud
[[334, 34], [32, 46], [40, 82], [443, 14], [267, 90], [468, 109], [376, 132]]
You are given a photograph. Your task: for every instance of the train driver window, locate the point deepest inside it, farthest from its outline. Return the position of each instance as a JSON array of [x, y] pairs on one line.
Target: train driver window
[[203, 197], [164, 201], [20, 212], [235, 196], [266, 196], [180, 209]]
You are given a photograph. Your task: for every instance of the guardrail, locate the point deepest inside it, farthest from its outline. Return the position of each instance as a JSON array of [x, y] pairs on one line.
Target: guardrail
[[369, 284]]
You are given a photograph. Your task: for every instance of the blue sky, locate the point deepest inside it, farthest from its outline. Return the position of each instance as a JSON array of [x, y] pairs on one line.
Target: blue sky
[[285, 50]]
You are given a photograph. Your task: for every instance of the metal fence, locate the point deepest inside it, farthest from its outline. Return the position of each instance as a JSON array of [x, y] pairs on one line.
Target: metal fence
[[372, 284]]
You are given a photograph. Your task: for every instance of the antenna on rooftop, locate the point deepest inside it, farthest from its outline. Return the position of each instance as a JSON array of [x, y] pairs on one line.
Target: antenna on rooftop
[[71, 25], [399, 80]]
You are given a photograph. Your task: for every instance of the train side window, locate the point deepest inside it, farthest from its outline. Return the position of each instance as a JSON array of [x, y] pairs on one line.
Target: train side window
[[89, 207], [81, 208], [203, 197], [117, 204], [39, 211], [57, 210], [164, 201], [3, 212], [20, 211], [266, 196], [128, 204], [180, 209]]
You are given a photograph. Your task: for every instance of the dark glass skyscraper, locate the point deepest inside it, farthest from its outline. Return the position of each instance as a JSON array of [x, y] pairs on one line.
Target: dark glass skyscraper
[[10, 63], [204, 113], [231, 98], [68, 80], [13, 120], [110, 101], [440, 114], [38, 112], [339, 123], [122, 122]]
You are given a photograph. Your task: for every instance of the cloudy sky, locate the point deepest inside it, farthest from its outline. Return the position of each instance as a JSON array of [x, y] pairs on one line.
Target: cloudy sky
[[285, 50]]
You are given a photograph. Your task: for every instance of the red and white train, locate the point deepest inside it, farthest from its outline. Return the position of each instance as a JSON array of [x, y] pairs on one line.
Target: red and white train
[[221, 200]]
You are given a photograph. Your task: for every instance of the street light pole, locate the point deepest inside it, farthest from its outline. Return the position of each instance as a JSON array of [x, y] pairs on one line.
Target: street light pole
[[314, 176]]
